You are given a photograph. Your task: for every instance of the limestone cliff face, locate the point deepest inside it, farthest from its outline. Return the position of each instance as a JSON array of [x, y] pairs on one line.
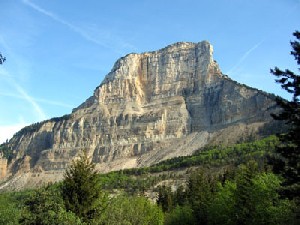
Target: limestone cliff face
[[150, 107]]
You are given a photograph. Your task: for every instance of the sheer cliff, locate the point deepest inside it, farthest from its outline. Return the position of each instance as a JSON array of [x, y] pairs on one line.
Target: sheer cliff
[[150, 107]]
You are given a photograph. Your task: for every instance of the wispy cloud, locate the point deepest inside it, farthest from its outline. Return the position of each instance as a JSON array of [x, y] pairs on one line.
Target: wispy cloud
[[82, 32], [41, 100], [24, 95], [244, 57], [19, 89]]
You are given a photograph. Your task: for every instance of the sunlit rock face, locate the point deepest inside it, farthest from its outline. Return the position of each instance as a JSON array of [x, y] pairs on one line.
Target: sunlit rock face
[[150, 107]]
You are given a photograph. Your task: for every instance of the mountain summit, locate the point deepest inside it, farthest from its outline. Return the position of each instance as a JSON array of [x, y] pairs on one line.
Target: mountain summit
[[150, 107]]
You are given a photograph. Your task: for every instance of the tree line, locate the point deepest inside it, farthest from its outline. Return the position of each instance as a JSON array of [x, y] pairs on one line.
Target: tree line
[[247, 194]]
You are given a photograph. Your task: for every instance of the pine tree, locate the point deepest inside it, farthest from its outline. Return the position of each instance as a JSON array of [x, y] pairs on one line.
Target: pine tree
[[289, 152], [244, 206], [2, 59], [165, 198], [201, 188], [81, 190]]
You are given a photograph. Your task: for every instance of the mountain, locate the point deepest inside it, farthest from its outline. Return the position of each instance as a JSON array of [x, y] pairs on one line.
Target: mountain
[[150, 107]]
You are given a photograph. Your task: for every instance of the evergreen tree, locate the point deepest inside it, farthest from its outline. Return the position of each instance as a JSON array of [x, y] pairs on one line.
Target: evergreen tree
[[180, 196], [200, 191], [81, 190], [222, 207], [245, 205], [2, 59], [289, 152], [165, 198], [251, 199]]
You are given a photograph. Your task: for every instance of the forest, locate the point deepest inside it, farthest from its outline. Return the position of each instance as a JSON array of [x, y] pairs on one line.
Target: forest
[[232, 185]]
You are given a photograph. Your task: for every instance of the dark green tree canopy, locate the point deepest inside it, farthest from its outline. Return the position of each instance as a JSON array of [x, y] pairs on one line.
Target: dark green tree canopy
[[288, 162], [2, 58], [290, 82], [81, 190]]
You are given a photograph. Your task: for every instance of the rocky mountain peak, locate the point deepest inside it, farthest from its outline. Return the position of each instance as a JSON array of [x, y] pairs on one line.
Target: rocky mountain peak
[[201, 51], [150, 107]]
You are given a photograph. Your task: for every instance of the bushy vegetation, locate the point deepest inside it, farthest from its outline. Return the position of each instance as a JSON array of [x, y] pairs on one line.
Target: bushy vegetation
[[36, 126], [218, 156], [250, 197], [125, 209], [45, 206], [233, 185], [10, 208], [6, 152], [133, 184]]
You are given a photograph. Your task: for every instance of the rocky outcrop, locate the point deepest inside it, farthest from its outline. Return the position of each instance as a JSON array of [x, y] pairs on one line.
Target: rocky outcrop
[[3, 167], [151, 106]]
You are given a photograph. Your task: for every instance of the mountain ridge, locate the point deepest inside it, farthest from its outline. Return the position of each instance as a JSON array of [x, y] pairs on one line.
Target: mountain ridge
[[150, 107]]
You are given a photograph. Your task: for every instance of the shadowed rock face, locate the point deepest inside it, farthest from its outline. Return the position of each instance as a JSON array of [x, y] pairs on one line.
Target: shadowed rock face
[[150, 107]]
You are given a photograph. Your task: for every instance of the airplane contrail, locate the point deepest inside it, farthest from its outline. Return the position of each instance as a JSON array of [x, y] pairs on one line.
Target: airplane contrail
[[39, 111], [244, 57], [77, 29]]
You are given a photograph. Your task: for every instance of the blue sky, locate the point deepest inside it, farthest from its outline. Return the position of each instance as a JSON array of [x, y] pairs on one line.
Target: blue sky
[[59, 51]]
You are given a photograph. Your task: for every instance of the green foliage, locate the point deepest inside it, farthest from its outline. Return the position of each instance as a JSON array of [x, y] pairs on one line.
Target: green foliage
[[244, 203], [58, 119], [9, 209], [212, 156], [36, 126], [130, 183], [45, 207], [81, 190], [248, 197], [269, 208], [180, 215], [168, 200], [218, 156], [128, 210], [137, 180], [222, 208], [289, 153], [251, 199], [29, 129], [165, 198], [6, 151], [215, 194], [2, 59], [200, 191]]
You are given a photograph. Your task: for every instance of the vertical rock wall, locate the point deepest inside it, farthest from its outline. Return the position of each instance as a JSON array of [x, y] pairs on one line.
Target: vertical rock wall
[[151, 106]]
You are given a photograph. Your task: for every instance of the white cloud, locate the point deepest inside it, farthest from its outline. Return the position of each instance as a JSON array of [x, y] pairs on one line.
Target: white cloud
[[7, 132]]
